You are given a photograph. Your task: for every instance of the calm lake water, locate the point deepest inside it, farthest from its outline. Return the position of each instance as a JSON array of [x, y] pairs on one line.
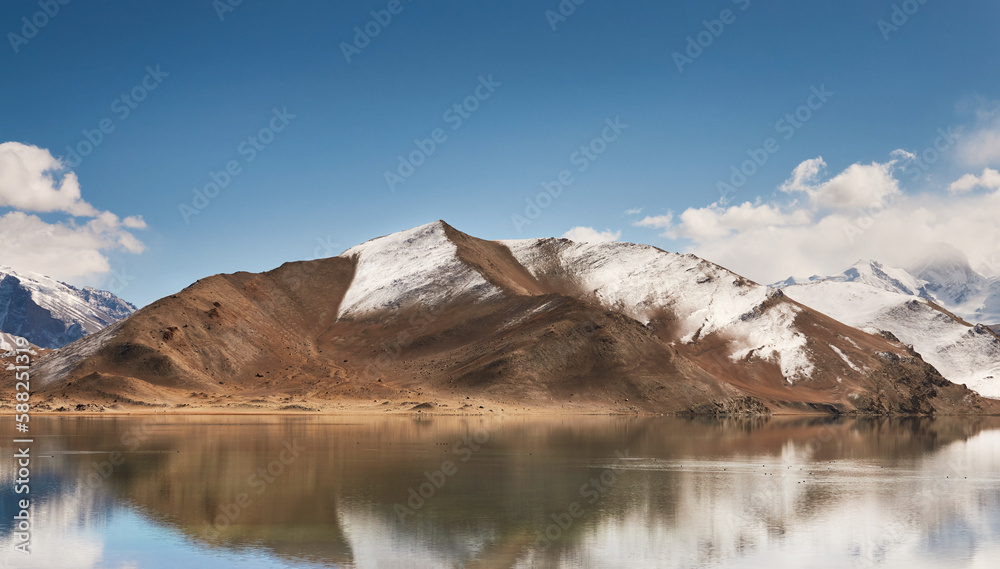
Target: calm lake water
[[421, 491]]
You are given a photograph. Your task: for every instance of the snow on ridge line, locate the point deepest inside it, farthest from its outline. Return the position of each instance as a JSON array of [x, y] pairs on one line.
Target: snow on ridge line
[[392, 272], [641, 280], [422, 265], [867, 272], [91, 308], [952, 285], [888, 278], [962, 354]]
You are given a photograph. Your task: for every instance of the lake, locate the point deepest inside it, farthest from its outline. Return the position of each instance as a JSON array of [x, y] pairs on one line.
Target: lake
[[420, 491]]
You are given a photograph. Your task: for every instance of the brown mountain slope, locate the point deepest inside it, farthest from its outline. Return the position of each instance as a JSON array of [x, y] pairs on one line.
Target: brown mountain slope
[[436, 319]]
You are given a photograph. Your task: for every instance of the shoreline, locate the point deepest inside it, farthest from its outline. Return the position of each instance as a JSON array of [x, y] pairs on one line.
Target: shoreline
[[546, 412]]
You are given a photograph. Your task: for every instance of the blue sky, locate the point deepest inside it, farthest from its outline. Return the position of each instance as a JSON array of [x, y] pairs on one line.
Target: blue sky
[[319, 186]]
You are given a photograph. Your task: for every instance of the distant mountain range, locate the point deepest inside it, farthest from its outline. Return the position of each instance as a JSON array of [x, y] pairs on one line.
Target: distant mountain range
[[51, 314], [918, 311], [945, 277], [434, 319]]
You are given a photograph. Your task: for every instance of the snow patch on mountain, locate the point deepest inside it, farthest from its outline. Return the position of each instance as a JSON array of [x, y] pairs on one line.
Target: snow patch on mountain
[[51, 313], [948, 276], [961, 352], [944, 277], [871, 273], [772, 336], [420, 265], [9, 345], [846, 359], [643, 282]]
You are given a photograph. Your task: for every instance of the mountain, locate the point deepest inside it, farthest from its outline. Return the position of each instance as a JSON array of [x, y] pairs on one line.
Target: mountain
[[11, 359], [876, 298], [869, 273], [434, 319], [949, 280], [944, 276], [50, 313]]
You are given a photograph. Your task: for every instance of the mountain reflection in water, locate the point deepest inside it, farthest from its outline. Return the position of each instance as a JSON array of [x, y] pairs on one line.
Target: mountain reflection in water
[[511, 491]]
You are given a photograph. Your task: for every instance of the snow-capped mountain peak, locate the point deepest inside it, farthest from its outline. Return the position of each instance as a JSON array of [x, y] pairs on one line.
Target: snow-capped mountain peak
[[417, 265], [527, 320], [877, 298], [430, 265], [949, 278], [50, 313], [887, 278], [944, 278], [435, 264], [642, 281], [868, 272]]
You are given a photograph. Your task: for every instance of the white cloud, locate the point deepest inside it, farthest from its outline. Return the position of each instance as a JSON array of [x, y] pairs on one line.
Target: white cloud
[[858, 186], [63, 250], [134, 222], [822, 226], [656, 221], [32, 180], [980, 145], [990, 180], [633, 211], [804, 175], [716, 222], [591, 235]]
